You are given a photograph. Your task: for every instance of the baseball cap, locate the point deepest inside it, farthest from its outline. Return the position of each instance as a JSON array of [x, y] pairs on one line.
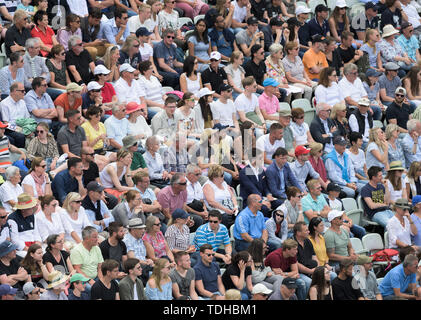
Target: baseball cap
[[363, 259], [317, 38], [341, 4], [6, 247], [270, 82], [372, 73], [400, 90], [275, 21], [261, 288], [129, 141], [101, 69], [179, 214], [94, 186], [371, 5], [300, 150], [364, 102], [301, 9], [321, 7], [127, 67], [252, 20], [405, 24], [215, 55], [334, 214], [73, 87], [416, 200], [6, 289], [78, 277], [28, 288], [142, 31], [136, 223], [339, 140], [290, 283], [391, 66], [333, 187], [93, 85], [285, 113], [225, 87]]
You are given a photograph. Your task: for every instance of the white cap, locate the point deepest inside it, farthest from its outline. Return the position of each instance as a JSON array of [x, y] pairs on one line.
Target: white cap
[[301, 9], [341, 4], [101, 69], [334, 214], [400, 90], [28, 287], [93, 85], [204, 92], [215, 55], [127, 67], [261, 288]]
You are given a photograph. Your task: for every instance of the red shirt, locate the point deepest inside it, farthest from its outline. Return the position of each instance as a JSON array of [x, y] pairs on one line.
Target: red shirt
[[107, 93], [46, 38], [319, 167], [275, 259], [63, 101]]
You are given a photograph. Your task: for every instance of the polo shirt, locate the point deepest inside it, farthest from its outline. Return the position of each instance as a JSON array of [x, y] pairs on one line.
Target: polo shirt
[[128, 93], [148, 194], [116, 129], [214, 78], [316, 28], [12, 110], [86, 101], [256, 70], [137, 161], [367, 24], [247, 222], [396, 278], [34, 102], [74, 140], [309, 203], [270, 105], [401, 114], [275, 259], [14, 35], [167, 198], [46, 38], [81, 62], [205, 235], [353, 90], [305, 254], [339, 242], [63, 101], [208, 275], [88, 260], [62, 184]]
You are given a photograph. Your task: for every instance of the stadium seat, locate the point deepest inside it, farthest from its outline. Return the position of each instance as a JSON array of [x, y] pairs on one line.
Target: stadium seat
[[304, 104], [197, 18], [372, 242], [358, 246], [184, 20]]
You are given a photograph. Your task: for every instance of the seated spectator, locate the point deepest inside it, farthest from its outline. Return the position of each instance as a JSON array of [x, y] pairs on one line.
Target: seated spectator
[[408, 40], [238, 275], [78, 285], [315, 158], [43, 146], [195, 198], [11, 188], [199, 45], [175, 157], [372, 48], [357, 156], [56, 64], [163, 123], [370, 20], [314, 60], [393, 14], [222, 38], [47, 220], [338, 115], [39, 103], [159, 285], [130, 54], [416, 219], [342, 285], [116, 126], [110, 61], [167, 18], [338, 21], [401, 228], [31, 291], [215, 76], [138, 163], [72, 28], [55, 258], [11, 271], [43, 32], [182, 277], [155, 243], [152, 87], [292, 208], [316, 229], [126, 88], [34, 265], [394, 183], [395, 148], [190, 79], [150, 204], [18, 33], [159, 177], [270, 142], [373, 196], [204, 117], [142, 20], [79, 62], [389, 82], [14, 106], [138, 127], [410, 140], [277, 228], [412, 86], [114, 248], [346, 51], [413, 181], [94, 129], [34, 65], [314, 203], [322, 128], [377, 149], [398, 112], [71, 138], [92, 97], [115, 30], [106, 287], [131, 282], [235, 73], [328, 91], [12, 73], [320, 287], [91, 26], [56, 287], [37, 182], [361, 120], [268, 101], [69, 100], [248, 37], [364, 272], [178, 233]]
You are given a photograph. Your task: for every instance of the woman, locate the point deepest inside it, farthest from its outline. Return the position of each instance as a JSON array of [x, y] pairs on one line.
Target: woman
[[411, 82], [42, 31], [413, 181], [235, 73], [111, 61], [156, 7], [40, 5], [203, 111], [159, 285], [338, 115], [395, 150], [328, 90], [130, 54], [372, 87], [357, 156], [294, 70], [146, 50], [185, 116], [138, 126], [11, 73], [55, 257], [10, 189], [339, 21], [400, 227], [238, 275], [377, 149], [154, 241], [113, 172], [190, 79], [277, 228], [316, 228], [56, 64], [48, 221], [320, 287], [372, 47], [44, 146], [130, 208], [220, 196], [74, 217], [109, 96], [37, 183], [168, 18], [315, 158], [158, 175], [199, 45], [300, 129], [293, 25], [95, 130], [395, 188], [152, 87], [178, 232], [333, 56], [34, 265], [72, 29]]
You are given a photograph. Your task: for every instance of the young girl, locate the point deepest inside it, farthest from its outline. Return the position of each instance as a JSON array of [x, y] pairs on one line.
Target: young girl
[[320, 288], [33, 264]]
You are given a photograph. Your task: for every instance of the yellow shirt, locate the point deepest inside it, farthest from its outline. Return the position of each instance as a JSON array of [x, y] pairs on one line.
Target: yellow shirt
[[320, 250], [92, 134]]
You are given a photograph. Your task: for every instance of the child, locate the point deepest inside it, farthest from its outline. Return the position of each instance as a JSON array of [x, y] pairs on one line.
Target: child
[[24, 5]]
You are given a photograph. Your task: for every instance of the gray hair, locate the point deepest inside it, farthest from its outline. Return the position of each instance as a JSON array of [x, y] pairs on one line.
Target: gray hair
[[411, 125], [11, 172], [409, 260], [167, 32], [72, 41], [31, 42], [349, 68], [191, 168], [275, 47], [87, 232], [116, 107], [320, 106], [177, 177], [151, 140]]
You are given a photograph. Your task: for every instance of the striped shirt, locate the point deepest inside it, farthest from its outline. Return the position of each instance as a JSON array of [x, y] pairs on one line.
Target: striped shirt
[[205, 235], [178, 240], [4, 152], [135, 245]]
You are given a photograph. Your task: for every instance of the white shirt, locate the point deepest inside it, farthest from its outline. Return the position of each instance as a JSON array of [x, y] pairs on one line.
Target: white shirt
[[140, 126], [71, 225], [353, 124], [134, 23], [126, 93], [146, 51], [78, 7], [412, 13], [152, 88], [9, 192], [330, 95], [353, 90], [263, 144], [223, 112], [397, 232], [29, 180], [194, 191], [239, 13], [242, 103], [395, 194], [12, 110], [300, 133], [46, 227]]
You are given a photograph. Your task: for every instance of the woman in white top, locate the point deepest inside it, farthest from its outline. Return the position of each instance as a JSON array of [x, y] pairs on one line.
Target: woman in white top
[[400, 227], [156, 7], [112, 174], [236, 73], [328, 90], [151, 86], [300, 129], [73, 217], [395, 186], [168, 18], [48, 221], [37, 183], [138, 126], [220, 196], [377, 149], [185, 116], [146, 50], [357, 156], [190, 79], [154, 162], [11, 189]]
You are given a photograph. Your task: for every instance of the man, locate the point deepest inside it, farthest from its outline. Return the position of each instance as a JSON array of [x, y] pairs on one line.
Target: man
[[114, 247], [285, 120], [287, 290], [399, 112], [165, 60], [314, 203], [141, 20], [319, 24], [302, 12], [90, 27], [314, 60], [256, 67], [411, 142], [389, 82], [163, 123], [69, 180], [86, 256], [208, 279], [260, 292], [274, 33], [222, 38], [90, 168], [271, 141], [11, 272], [366, 278], [414, 20], [338, 245], [340, 169], [92, 96], [79, 62], [224, 111], [150, 204], [183, 278], [69, 100], [408, 39], [195, 198], [242, 11], [268, 100], [131, 287], [361, 120], [250, 224], [346, 50], [343, 286], [279, 176], [283, 262], [215, 234], [215, 76], [322, 128], [18, 33], [302, 168], [375, 199], [117, 126], [175, 157], [115, 30], [250, 36], [105, 6], [14, 106], [34, 65], [95, 207], [367, 20], [400, 282], [127, 88], [71, 138], [106, 287], [39, 103], [31, 291]]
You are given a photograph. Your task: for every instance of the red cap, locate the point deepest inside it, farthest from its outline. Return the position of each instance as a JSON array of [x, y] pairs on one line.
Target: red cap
[[301, 150], [2, 125]]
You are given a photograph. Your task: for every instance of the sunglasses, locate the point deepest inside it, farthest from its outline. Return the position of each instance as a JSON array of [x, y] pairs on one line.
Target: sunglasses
[[23, 90], [136, 46], [279, 215], [170, 37], [78, 201], [63, 53], [400, 95], [44, 166], [96, 90], [182, 183], [210, 254], [157, 224], [40, 131], [3, 217], [298, 118], [89, 154], [210, 221], [36, 292]]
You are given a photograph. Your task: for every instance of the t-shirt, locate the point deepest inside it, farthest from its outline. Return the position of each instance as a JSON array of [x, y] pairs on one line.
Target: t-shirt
[[81, 62], [137, 161], [256, 70], [208, 275], [264, 144], [63, 101], [113, 252], [275, 259], [242, 103], [223, 112], [346, 54], [233, 270], [401, 114], [183, 282], [345, 290], [376, 195], [100, 292], [389, 85], [90, 174], [312, 59], [48, 257], [339, 242], [12, 269], [167, 53]]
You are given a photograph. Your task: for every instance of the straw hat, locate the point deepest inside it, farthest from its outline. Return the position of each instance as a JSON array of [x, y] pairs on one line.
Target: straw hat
[[25, 201], [389, 30], [396, 165], [56, 278]]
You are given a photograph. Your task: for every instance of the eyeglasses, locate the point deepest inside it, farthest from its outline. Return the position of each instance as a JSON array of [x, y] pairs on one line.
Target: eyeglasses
[[299, 195], [89, 154], [280, 215], [298, 118], [23, 90], [63, 53], [182, 183], [136, 46], [78, 201], [170, 37], [210, 254], [40, 131], [210, 221], [3, 217]]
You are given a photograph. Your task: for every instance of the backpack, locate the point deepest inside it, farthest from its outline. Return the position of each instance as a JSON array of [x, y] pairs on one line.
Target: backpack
[[385, 255]]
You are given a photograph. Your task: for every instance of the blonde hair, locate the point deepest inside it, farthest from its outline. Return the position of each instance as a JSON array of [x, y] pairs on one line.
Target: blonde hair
[[150, 221], [390, 128], [232, 294], [235, 55], [71, 196], [374, 137], [156, 273], [413, 169], [215, 171], [128, 43], [107, 56], [315, 148], [340, 106], [19, 14]]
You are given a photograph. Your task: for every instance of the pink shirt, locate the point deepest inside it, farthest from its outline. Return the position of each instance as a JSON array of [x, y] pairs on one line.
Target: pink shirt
[[270, 105], [158, 244], [167, 199]]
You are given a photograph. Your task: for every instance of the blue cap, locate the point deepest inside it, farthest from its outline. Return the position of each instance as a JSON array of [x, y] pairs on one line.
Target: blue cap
[[270, 82], [373, 73], [6, 247], [6, 289], [142, 31], [416, 199], [179, 214]]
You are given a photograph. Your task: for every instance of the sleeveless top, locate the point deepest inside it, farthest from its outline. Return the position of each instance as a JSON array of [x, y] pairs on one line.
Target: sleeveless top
[[105, 178], [221, 196], [193, 85]]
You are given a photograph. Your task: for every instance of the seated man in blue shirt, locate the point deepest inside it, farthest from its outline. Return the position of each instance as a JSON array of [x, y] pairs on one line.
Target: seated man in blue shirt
[[95, 207], [39, 103], [314, 203], [250, 224], [401, 282], [69, 180], [115, 30], [222, 38]]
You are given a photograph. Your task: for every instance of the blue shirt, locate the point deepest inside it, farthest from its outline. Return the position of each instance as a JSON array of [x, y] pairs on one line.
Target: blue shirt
[[110, 30], [224, 46], [62, 184], [409, 45], [135, 245], [309, 203], [160, 50], [205, 235], [104, 210], [247, 222], [6, 79], [396, 278], [208, 275], [33, 102]]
